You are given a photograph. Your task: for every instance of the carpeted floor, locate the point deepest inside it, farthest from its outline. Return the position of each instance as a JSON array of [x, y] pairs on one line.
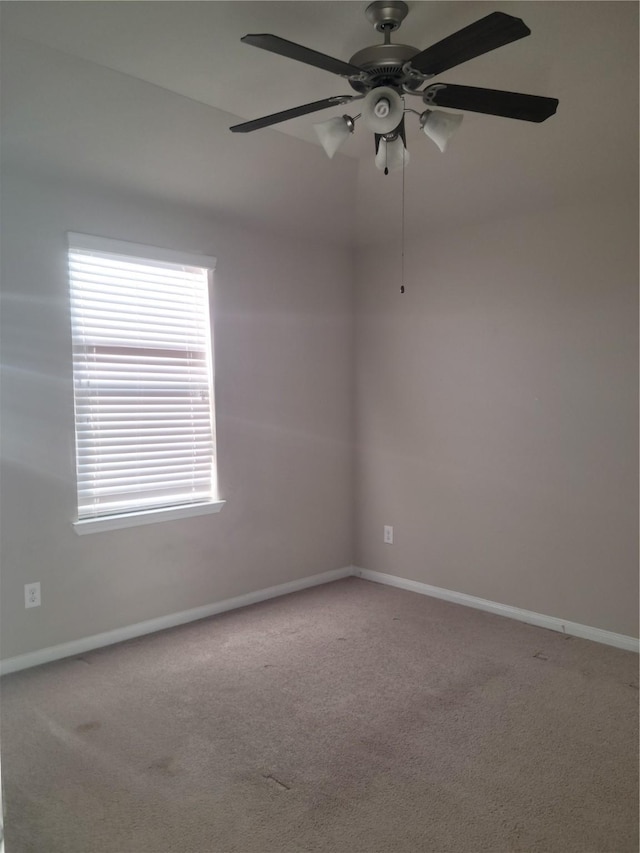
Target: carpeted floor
[[349, 718]]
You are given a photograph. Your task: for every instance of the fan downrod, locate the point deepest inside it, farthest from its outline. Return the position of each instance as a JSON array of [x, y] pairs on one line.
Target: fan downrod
[[386, 15]]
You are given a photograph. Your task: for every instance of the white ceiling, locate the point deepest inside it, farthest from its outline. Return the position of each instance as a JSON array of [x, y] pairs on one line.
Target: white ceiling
[[194, 48], [584, 53]]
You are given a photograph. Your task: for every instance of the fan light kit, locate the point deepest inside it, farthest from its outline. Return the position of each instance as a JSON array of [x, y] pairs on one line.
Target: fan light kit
[[384, 75]]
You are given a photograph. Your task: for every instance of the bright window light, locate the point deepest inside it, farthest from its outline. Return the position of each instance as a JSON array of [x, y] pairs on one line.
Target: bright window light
[[143, 380]]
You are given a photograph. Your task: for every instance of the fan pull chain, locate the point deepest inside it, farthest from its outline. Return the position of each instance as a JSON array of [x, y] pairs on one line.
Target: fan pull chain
[[402, 234]]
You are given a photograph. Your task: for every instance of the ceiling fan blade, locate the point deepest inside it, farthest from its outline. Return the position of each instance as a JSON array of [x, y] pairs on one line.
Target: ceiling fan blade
[[274, 118], [492, 101], [275, 44], [486, 34]]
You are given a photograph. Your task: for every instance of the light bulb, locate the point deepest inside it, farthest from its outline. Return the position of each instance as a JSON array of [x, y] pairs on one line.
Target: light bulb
[[382, 108]]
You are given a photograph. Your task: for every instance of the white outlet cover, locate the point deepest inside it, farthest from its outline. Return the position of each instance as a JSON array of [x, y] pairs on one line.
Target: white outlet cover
[[32, 595], [388, 534]]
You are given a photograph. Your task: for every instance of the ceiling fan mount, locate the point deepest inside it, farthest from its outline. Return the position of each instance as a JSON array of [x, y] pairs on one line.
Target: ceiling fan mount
[[386, 15]]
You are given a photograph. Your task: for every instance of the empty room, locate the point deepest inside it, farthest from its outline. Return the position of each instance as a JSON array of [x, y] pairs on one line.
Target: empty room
[[319, 438]]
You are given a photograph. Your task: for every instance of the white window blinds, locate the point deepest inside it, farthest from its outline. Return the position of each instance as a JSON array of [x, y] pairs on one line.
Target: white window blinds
[[142, 372]]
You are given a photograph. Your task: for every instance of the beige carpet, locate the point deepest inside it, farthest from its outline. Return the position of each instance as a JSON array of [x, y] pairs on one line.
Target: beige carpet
[[349, 718]]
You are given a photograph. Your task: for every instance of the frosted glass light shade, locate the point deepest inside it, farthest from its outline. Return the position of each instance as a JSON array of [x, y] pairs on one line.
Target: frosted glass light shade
[[333, 133], [382, 109], [392, 155], [440, 127]]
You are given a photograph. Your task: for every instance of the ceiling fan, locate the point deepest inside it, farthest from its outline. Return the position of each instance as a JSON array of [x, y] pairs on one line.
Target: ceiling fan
[[383, 74]]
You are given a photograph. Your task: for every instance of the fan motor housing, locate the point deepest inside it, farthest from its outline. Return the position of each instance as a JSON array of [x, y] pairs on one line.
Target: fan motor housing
[[383, 64]]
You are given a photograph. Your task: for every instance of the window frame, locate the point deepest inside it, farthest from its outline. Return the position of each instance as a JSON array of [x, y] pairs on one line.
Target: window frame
[[147, 515]]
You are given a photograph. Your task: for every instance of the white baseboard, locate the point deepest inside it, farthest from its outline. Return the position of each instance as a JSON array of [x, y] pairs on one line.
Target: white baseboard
[[96, 641], [129, 632], [575, 629]]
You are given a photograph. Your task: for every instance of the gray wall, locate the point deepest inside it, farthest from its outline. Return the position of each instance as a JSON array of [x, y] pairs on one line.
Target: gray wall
[[497, 412], [282, 336]]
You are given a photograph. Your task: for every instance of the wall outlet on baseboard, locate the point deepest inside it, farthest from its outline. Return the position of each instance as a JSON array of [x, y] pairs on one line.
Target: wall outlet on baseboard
[[32, 595], [388, 534]]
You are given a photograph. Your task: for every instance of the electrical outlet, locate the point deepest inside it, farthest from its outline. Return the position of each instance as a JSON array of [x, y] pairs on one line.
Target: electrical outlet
[[388, 534], [32, 595]]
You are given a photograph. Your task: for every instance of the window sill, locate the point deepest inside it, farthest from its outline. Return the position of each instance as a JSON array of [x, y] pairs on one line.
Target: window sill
[[149, 516]]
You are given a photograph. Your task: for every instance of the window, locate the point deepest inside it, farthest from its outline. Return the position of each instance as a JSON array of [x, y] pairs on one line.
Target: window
[[143, 383]]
